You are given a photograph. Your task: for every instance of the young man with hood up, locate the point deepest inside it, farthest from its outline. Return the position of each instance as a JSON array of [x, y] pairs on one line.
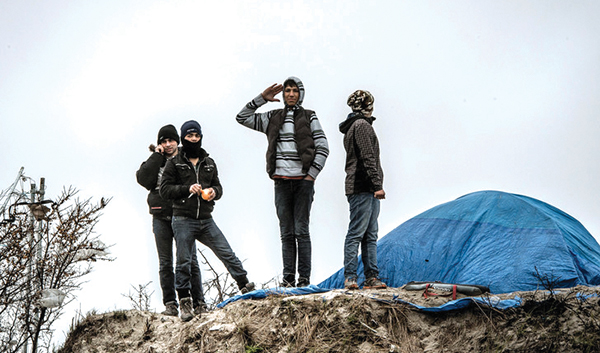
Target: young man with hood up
[[296, 153], [191, 180], [149, 176], [364, 189]]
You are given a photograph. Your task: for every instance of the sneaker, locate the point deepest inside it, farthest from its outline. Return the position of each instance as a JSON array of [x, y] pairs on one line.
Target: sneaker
[[200, 309], [350, 283], [171, 309], [187, 312], [303, 282], [374, 283], [249, 287]]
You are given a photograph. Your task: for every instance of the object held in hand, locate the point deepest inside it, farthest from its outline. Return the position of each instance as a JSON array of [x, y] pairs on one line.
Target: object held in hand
[[206, 193]]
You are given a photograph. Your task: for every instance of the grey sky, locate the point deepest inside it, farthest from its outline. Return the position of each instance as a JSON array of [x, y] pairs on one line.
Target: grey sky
[[469, 96]]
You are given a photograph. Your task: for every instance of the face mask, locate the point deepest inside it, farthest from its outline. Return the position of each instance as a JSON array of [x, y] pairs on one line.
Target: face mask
[[192, 149]]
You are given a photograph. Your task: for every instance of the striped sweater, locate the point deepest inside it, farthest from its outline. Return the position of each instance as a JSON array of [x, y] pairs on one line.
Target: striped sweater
[[287, 160]]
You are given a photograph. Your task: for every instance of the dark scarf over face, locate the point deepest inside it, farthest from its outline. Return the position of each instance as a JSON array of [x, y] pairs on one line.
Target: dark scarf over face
[[192, 149]]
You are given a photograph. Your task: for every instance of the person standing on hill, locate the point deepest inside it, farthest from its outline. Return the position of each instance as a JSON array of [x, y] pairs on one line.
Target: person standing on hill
[[364, 189], [149, 176], [191, 181], [296, 154]]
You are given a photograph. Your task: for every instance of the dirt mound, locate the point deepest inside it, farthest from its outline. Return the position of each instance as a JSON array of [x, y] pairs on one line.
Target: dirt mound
[[358, 321]]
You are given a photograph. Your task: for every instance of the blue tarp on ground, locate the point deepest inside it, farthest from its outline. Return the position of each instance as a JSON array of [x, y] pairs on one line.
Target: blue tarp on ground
[[263, 293], [312, 289], [465, 302], [488, 238]]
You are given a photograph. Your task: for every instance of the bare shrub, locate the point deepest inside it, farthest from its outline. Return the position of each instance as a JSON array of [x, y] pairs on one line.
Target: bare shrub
[[141, 298], [43, 260]]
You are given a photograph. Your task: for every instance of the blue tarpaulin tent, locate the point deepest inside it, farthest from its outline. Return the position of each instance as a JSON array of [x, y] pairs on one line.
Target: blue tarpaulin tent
[[496, 239]]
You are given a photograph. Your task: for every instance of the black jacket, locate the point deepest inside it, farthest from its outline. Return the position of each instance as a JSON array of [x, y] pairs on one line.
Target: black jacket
[[149, 176], [179, 175]]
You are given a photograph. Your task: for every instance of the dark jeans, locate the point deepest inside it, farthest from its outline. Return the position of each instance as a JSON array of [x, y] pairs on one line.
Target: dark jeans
[[187, 230], [293, 199], [363, 228], [163, 236]]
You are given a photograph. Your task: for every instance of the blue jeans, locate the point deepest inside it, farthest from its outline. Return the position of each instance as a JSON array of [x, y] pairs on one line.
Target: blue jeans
[[163, 236], [293, 200], [187, 230], [362, 230]]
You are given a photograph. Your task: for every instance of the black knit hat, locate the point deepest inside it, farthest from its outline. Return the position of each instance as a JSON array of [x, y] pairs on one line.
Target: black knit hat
[[167, 132]]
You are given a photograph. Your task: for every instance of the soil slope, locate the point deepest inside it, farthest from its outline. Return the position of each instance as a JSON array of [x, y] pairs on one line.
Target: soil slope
[[354, 321]]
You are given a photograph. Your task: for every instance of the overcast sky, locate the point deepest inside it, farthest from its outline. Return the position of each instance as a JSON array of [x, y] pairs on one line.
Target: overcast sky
[[469, 96]]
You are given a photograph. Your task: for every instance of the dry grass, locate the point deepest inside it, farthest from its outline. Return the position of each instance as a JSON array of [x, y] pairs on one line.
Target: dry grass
[[353, 322]]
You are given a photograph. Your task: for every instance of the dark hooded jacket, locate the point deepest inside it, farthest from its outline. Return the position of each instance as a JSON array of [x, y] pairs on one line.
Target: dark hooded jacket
[[363, 167]]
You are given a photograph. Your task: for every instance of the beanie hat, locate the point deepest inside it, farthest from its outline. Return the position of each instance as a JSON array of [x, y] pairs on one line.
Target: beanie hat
[[190, 126], [361, 101], [167, 132]]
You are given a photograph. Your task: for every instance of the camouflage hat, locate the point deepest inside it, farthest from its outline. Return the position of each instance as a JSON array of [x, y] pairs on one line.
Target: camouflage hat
[[361, 102]]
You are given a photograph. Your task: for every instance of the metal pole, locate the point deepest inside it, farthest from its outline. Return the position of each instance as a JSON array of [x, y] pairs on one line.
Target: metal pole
[[42, 188], [33, 192], [38, 257], [41, 193]]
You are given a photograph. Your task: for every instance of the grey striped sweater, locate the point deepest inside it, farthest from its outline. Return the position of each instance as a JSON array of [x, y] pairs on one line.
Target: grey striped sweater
[[287, 160]]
